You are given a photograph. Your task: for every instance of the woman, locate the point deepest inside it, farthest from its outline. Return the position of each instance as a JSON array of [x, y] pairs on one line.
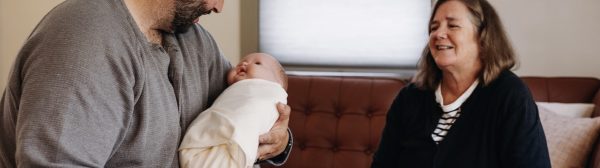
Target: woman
[[465, 108]]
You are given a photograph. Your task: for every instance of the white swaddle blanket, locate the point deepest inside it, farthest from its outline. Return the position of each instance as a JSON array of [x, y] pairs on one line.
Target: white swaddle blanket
[[226, 134]]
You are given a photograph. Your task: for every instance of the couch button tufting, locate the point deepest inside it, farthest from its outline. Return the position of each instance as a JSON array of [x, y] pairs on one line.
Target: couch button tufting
[[369, 115], [335, 149], [368, 151], [338, 115]]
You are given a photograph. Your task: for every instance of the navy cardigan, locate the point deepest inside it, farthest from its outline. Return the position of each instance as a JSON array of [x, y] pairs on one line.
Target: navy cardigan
[[499, 126]]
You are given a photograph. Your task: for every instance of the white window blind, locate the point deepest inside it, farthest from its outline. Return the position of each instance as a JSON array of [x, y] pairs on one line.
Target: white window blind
[[345, 33]]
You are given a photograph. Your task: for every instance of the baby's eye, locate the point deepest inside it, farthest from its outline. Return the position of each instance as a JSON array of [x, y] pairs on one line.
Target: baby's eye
[[257, 63]]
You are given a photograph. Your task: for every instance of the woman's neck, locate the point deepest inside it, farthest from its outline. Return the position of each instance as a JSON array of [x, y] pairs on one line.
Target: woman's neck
[[455, 84]]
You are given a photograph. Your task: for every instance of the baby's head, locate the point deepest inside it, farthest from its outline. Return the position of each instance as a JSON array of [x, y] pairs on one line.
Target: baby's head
[[258, 66]]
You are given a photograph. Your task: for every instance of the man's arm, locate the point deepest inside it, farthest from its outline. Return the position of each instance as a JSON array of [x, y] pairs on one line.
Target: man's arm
[[73, 109], [76, 95]]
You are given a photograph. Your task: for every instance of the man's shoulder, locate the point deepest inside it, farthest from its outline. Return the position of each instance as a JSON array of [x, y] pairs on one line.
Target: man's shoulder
[[78, 34], [82, 29], [85, 19]]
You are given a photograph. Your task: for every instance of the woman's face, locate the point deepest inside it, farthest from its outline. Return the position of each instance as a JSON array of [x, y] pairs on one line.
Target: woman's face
[[453, 40]]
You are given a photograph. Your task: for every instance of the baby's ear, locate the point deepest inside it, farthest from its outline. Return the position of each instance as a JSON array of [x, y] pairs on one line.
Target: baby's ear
[[283, 77]]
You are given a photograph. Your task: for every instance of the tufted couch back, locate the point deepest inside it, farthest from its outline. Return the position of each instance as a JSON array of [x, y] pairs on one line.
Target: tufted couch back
[[337, 121]]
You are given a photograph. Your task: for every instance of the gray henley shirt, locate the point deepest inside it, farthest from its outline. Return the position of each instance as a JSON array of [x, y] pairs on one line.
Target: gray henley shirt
[[88, 90]]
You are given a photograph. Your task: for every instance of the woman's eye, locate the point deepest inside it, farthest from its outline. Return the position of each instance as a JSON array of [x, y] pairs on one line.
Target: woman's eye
[[453, 26]]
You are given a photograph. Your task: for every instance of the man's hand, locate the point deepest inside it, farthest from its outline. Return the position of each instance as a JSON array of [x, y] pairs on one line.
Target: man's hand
[[274, 142]]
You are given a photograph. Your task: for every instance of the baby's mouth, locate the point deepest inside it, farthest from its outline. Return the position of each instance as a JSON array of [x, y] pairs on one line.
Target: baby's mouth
[[242, 70]]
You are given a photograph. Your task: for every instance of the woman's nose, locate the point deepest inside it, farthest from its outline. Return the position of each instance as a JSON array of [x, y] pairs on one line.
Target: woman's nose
[[440, 34]]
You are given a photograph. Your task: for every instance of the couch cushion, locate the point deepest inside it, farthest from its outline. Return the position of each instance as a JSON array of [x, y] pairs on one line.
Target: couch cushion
[[337, 121], [574, 110], [570, 140]]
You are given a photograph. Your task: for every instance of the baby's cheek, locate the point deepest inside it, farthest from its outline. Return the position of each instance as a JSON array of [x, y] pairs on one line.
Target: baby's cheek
[[230, 77]]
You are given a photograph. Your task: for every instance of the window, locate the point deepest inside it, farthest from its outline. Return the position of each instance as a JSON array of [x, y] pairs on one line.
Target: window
[[379, 34]]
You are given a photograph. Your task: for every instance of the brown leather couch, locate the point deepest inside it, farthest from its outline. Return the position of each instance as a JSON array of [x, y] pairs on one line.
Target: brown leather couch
[[337, 121]]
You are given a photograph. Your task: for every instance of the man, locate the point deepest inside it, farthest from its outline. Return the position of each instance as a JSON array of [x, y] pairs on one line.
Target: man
[[115, 83]]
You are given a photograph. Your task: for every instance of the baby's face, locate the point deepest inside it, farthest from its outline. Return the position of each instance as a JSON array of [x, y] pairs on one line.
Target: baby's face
[[257, 65]]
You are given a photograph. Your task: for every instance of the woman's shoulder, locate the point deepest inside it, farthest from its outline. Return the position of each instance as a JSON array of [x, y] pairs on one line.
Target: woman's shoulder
[[411, 89], [413, 94], [509, 82], [509, 88]]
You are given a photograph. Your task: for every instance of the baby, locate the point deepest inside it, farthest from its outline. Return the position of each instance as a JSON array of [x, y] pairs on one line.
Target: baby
[[226, 134]]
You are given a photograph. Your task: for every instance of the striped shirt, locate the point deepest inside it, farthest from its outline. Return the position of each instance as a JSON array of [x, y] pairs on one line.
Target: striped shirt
[[451, 112]]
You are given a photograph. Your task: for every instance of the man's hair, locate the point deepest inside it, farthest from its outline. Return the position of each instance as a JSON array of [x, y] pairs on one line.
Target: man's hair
[[496, 53]]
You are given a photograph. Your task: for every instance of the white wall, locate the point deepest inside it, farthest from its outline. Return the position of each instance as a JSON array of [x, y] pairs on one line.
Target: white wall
[[225, 28], [551, 37], [17, 20], [554, 37]]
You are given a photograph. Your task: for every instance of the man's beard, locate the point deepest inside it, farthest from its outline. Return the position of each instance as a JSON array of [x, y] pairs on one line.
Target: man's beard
[[186, 11]]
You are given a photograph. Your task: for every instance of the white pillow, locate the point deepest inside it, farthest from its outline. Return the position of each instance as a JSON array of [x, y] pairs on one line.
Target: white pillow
[[574, 110], [570, 140]]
